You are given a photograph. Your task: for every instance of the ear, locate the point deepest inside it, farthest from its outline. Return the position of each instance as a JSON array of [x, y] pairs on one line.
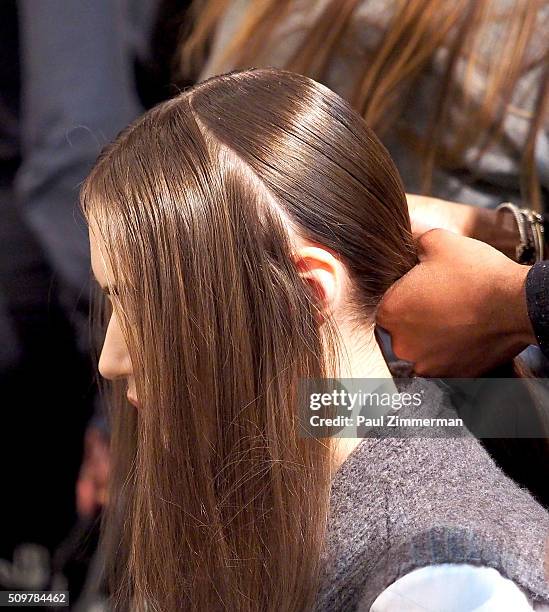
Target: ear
[[324, 273]]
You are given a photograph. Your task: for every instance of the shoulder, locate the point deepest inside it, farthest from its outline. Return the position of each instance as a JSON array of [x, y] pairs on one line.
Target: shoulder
[[459, 586], [400, 504]]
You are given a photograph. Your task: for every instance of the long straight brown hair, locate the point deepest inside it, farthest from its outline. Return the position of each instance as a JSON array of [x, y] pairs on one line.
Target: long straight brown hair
[[216, 501], [489, 51]]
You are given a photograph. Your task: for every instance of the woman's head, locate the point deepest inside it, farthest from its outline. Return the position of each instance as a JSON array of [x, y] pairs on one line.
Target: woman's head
[[493, 57], [240, 227]]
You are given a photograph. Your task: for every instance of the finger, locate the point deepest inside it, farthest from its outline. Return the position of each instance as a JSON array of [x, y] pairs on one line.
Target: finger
[[387, 309], [85, 493], [102, 496]]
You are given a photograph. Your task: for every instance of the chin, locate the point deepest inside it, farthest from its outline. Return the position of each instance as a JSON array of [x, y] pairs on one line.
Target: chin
[[132, 400]]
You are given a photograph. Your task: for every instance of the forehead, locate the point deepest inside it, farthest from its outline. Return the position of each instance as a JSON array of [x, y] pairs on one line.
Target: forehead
[[99, 263]]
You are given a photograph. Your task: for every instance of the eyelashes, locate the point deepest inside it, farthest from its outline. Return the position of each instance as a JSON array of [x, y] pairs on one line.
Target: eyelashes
[[109, 291]]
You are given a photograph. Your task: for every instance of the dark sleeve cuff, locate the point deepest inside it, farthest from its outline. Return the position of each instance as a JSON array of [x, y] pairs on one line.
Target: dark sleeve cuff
[[537, 300]]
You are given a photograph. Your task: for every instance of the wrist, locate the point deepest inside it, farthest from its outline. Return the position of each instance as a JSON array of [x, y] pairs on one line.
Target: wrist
[[497, 230], [514, 313]]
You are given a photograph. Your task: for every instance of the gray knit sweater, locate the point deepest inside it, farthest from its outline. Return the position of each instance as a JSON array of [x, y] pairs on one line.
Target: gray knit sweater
[[398, 504]]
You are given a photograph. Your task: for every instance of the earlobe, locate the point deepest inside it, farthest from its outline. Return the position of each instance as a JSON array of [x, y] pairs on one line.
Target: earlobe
[[322, 271]]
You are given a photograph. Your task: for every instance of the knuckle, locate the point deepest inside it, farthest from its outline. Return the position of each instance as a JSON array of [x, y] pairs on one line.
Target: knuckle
[[429, 237], [400, 349], [421, 369]]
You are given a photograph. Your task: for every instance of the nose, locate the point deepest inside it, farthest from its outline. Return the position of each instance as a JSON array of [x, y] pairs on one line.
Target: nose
[[114, 361]]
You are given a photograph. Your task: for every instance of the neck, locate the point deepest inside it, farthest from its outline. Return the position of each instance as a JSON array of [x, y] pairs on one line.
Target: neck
[[362, 359]]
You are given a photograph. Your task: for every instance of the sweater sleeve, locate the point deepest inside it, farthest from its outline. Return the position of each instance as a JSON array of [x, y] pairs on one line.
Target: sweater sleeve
[[537, 299], [450, 586]]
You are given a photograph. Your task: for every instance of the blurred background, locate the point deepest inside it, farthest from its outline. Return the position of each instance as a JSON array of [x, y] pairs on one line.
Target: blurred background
[[72, 74], [457, 91]]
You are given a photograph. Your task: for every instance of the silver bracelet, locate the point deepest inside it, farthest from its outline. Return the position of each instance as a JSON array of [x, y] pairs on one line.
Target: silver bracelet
[[528, 248], [536, 225]]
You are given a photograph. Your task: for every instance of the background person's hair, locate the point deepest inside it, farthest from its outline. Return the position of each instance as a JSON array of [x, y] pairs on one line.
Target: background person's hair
[[475, 60], [216, 502]]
